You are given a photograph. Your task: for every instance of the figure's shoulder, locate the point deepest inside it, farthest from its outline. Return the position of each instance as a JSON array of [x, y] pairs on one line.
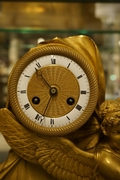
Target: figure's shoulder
[[107, 155], [109, 164], [104, 150]]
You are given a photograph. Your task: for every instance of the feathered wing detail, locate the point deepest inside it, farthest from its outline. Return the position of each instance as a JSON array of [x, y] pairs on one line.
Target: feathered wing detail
[[64, 160], [19, 138], [59, 156]]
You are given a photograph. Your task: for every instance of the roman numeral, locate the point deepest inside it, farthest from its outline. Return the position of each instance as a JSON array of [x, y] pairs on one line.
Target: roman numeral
[[68, 118], [38, 65], [53, 60], [37, 117], [27, 76], [51, 122], [80, 76], [83, 92], [22, 91], [78, 107], [27, 106], [68, 65]]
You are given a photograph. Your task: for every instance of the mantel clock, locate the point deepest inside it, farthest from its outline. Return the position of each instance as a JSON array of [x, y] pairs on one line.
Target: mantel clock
[[53, 89]]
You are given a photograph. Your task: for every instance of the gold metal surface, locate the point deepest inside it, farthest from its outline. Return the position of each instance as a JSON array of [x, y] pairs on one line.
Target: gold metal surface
[[59, 156], [58, 47], [91, 152], [66, 84]]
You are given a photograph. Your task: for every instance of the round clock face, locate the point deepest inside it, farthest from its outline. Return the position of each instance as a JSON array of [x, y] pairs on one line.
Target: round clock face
[[52, 91]]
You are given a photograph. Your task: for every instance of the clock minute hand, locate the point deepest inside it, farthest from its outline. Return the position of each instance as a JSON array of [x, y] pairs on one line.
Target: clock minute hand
[[43, 115], [39, 73], [53, 92], [47, 105]]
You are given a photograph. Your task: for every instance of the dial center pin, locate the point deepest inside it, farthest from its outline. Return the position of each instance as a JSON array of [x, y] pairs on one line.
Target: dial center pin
[[53, 91]]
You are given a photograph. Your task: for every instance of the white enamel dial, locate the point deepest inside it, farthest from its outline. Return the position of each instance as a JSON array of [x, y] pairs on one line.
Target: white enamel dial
[[53, 90], [78, 107]]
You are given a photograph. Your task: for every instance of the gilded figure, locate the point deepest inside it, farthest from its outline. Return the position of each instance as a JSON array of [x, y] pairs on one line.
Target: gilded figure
[[90, 152]]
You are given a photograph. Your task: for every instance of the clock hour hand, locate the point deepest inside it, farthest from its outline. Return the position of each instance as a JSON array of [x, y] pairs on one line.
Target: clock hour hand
[[39, 73]]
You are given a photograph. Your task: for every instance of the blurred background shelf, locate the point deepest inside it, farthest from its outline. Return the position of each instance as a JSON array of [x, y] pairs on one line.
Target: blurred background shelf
[[23, 24], [54, 31]]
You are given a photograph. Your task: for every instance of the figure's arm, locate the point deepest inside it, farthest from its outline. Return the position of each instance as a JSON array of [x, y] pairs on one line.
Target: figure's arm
[[109, 165]]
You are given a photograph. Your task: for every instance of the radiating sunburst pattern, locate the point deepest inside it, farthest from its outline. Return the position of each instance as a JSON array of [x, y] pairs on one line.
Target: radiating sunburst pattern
[[66, 85]]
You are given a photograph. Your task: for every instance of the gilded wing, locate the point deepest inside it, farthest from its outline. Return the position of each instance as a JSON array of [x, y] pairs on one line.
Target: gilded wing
[[65, 161], [59, 156], [19, 138]]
